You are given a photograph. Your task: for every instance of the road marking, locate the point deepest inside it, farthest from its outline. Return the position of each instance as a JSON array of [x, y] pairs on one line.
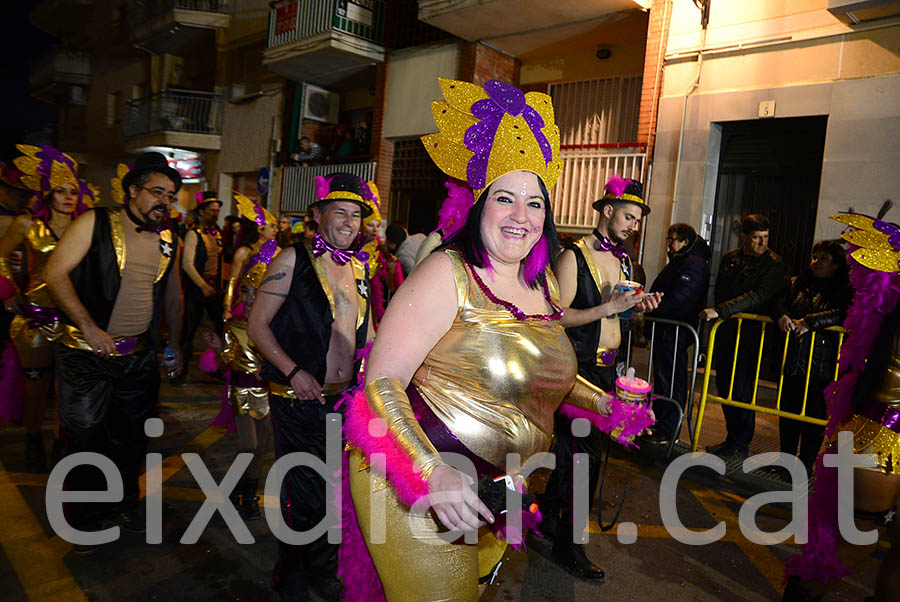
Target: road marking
[[172, 464], [36, 560]]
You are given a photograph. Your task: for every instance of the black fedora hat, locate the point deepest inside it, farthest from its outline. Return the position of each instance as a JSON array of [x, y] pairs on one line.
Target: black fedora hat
[[150, 162], [343, 187], [623, 190], [207, 197]]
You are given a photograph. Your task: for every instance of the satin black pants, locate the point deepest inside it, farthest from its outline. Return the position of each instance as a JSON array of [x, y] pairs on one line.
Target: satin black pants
[[299, 426], [103, 404]]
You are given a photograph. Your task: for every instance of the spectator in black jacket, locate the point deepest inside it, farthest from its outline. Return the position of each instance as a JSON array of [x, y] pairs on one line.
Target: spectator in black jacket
[[749, 280], [684, 282], [818, 298]]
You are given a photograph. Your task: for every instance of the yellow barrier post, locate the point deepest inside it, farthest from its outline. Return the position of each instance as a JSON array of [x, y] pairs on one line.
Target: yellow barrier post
[[705, 395]]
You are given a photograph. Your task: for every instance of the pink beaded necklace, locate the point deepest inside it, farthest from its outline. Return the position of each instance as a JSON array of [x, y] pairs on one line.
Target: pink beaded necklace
[[517, 313]]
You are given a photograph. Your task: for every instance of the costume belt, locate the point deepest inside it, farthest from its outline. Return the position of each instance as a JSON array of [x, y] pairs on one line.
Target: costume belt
[[327, 389], [73, 338], [605, 356]]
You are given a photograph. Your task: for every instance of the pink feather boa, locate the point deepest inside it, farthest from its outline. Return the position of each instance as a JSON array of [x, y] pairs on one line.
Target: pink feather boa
[[631, 418], [877, 295], [209, 361]]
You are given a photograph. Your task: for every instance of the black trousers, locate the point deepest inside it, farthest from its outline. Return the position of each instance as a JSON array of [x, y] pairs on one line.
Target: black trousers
[[195, 304], [794, 432], [103, 404], [299, 426], [558, 497]]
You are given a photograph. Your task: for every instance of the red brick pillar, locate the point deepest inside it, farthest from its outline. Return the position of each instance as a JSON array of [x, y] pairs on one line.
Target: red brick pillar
[[479, 64], [381, 150], [657, 37]]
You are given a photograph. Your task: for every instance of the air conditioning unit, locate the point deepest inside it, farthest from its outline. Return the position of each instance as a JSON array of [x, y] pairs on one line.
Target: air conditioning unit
[[320, 105]]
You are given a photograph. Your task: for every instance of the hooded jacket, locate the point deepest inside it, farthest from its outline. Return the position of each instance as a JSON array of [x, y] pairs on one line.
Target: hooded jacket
[[684, 282]]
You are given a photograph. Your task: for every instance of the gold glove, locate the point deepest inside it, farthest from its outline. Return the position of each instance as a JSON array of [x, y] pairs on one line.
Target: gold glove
[[586, 396], [390, 402]]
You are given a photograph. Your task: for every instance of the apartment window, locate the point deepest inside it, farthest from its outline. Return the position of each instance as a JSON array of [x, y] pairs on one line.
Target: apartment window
[[113, 109]]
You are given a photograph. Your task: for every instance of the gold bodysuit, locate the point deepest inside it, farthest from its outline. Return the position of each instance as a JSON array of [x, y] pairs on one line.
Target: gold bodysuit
[[877, 431], [238, 352], [26, 332], [495, 382]]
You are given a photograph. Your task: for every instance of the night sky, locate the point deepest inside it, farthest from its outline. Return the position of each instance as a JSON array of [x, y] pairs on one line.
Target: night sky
[[20, 43]]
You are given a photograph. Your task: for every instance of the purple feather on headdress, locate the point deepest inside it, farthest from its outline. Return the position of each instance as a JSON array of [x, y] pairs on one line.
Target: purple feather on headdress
[[367, 192], [260, 215], [199, 196], [323, 187], [617, 186]]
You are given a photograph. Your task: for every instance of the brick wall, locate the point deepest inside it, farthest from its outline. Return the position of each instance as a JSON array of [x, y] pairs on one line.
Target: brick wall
[[479, 64], [382, 150], [657, 36]]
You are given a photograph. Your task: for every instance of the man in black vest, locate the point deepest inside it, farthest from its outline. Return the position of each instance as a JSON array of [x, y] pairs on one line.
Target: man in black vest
[[202, 268], [588, 272], [111, 275], [310, 316]]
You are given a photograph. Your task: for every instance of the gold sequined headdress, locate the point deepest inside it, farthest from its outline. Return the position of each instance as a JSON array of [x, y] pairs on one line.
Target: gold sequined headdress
[[487, 132], [253, 211], [115, 183], [878, 241], [44, 168]]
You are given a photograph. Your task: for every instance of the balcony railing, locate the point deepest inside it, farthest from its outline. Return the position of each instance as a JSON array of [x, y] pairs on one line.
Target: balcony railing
[[175, 110], [298, 187], [141, 11], [300, 19]]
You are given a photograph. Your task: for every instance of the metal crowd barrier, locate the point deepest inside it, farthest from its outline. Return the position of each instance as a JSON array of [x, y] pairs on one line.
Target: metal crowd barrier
[[691, 332], [706, 396]]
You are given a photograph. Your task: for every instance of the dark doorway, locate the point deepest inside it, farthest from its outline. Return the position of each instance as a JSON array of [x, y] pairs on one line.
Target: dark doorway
[[772, 167]]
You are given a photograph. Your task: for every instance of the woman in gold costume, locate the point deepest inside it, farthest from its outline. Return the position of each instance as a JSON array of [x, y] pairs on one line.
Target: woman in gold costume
[[63, 197], [470, 358], [247, 393], [865, 401]]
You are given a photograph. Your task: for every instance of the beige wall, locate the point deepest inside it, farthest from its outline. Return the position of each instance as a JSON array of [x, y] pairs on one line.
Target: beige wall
[[576, 57], [247, 133], [812, 64], [412, 84]]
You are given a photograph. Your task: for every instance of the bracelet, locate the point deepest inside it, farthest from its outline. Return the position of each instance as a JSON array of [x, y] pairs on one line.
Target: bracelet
[[293, 372]]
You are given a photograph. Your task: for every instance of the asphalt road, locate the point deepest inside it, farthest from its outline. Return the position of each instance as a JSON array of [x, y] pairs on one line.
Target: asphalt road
[[35, 564]]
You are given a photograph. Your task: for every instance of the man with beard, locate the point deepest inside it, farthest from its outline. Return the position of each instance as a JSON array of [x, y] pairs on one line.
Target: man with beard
[[310, 316], [202, 267], [111, 275], [588, 272], [750, 278]]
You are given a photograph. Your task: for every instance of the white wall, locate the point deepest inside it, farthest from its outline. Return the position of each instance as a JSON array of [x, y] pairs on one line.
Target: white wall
[[811, 64]]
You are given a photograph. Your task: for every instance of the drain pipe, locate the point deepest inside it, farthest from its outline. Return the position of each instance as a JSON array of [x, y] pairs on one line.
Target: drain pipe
[[692, 87]]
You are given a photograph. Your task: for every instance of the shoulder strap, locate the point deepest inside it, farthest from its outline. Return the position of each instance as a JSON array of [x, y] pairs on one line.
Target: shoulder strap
[[460, 276], [591, 264]]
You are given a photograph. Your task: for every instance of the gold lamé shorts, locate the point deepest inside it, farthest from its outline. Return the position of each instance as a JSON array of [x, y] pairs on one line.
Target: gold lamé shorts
[[32, 338], [870, 437], [250, 401]]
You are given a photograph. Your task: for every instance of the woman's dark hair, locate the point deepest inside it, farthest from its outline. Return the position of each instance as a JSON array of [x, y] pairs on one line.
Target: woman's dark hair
[[249, 233], [684, 232], [468, 239], [835, 249]]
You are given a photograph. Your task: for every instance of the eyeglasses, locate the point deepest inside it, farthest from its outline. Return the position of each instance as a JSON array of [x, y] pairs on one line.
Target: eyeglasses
[[161, 193]]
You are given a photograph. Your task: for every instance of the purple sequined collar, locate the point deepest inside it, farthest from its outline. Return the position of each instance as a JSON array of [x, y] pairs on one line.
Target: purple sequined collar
[[605, 244], [517, 313]]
